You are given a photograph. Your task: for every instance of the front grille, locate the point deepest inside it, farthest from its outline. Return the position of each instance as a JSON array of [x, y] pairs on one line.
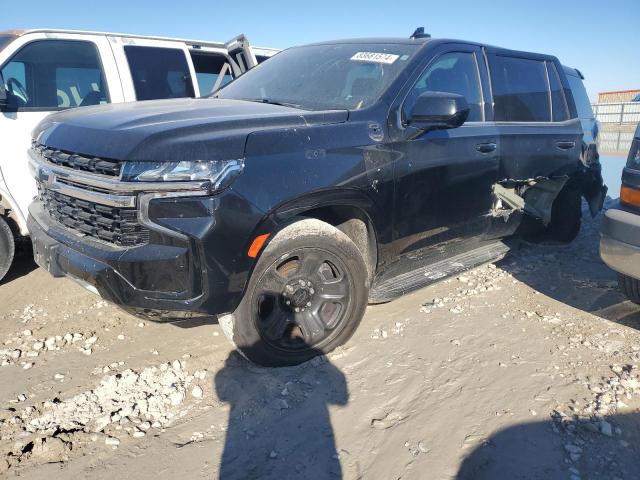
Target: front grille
[[85, 163], [117, 226]]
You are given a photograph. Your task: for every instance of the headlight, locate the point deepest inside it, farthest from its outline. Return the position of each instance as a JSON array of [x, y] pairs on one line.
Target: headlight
[[218, 172]]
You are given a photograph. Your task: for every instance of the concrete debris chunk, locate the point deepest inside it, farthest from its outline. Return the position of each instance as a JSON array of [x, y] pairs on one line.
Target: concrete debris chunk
[[197, 392], [145, 398]]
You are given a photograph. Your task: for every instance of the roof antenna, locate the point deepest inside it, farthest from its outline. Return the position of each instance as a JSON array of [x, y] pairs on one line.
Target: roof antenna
[[419, 33]]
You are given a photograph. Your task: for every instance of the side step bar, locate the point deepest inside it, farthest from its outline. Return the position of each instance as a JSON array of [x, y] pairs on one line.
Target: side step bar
[[387, 288]]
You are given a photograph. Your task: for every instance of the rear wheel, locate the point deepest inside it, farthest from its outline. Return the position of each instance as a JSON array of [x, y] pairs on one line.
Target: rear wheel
[[566, 216], [7, 247], [306, 296], [630, 287]]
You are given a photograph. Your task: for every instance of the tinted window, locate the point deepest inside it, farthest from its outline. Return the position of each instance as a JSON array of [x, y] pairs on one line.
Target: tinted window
[[454, 73], [559, 109], [580, 97], [208, 68], [520, 91], [159, 72], [55, 74], [318, 77]]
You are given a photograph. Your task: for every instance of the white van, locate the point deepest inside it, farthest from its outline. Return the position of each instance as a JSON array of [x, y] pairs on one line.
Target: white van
[[44, 71]]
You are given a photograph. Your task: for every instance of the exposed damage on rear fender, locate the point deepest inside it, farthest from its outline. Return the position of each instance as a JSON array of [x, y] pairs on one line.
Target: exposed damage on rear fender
[[535, 196]]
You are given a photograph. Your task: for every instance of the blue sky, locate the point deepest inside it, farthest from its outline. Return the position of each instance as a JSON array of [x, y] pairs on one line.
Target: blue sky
[[600, 38]]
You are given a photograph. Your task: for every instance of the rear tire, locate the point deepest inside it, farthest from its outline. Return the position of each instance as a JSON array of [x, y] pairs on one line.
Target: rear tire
[[630, 287], [7, 247], [566, 216], [306, 296]]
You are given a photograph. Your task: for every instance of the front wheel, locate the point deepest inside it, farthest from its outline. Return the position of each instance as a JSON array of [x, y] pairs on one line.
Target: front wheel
[[306, 296], [7, 247]]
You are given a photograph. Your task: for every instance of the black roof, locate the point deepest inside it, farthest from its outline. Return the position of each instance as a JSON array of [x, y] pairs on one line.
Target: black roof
[[372, 40], [437, 41]]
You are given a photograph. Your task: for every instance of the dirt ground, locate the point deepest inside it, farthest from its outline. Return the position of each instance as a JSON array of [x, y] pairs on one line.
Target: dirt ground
[[522, 369]]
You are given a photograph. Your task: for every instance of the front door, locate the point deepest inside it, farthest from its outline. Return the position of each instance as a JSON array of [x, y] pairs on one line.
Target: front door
[[445, 178], [43, 74]]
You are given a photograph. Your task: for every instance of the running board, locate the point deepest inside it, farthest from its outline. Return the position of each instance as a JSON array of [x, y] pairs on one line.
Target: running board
[[387, 287]]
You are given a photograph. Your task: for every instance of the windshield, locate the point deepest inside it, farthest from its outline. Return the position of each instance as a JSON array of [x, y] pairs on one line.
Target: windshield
[[5, 40], [323, 77]]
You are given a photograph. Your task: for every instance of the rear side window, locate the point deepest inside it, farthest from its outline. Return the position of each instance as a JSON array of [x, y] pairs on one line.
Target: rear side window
[[520, 89], [212, 71], [580, 97], [48, 75], [559, 109], [455, 72], [159, 72]]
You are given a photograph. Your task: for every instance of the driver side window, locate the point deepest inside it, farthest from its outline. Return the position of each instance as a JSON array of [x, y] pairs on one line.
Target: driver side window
[[455, 72], [47, 75]]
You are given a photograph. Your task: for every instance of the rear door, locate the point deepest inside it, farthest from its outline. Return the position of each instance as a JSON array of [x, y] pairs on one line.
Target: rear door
[[154, 69], [538, 136], [45, 73]]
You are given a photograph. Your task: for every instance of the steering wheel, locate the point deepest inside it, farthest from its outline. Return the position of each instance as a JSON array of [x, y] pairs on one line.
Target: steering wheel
[[17, 89]]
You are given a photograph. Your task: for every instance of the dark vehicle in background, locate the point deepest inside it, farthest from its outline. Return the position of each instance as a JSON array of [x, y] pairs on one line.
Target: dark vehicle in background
[[332, 176], [620, 241]]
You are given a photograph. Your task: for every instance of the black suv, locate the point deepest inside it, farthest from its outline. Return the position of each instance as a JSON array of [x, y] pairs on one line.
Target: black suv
[[332, 176]]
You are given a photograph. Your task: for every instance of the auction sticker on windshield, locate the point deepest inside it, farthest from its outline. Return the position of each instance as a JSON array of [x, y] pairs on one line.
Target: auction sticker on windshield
[[375, 57]]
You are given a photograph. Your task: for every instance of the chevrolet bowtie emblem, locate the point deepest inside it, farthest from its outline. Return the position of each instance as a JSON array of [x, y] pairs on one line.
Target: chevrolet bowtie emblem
[[45, 175]]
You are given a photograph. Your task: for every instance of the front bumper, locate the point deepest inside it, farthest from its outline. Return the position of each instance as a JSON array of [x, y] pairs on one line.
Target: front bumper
[[620, 241], [201, 272]]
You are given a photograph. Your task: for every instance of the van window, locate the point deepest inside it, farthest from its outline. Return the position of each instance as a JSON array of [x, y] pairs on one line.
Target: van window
[[455, 72], [559, 109], [580, 97], [159, 72], [208, 68], [55, 74], [520, 90]]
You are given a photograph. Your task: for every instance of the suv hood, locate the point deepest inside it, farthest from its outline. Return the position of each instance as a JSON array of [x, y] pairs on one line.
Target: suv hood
[[171, 130]]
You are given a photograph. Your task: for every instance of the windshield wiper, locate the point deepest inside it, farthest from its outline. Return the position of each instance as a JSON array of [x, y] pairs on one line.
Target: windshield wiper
[[273, 102]]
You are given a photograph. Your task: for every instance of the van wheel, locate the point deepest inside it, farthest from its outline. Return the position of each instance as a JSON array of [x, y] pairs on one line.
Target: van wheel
[[306, 296], [7, 247], [630, 287], [566, 216]]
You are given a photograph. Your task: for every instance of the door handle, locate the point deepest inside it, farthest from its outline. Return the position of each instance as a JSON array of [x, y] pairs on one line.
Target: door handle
[[486, 147], [565, 145]]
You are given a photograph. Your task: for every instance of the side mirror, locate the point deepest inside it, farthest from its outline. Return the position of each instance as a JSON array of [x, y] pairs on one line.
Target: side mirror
[[438, 110]]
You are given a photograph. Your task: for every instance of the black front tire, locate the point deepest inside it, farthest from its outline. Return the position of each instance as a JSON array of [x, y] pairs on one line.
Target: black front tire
[[630, 287], [7, 247], [311, 265]]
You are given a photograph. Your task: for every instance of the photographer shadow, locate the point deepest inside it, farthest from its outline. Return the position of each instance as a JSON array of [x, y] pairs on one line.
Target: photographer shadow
[[279, 424]]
